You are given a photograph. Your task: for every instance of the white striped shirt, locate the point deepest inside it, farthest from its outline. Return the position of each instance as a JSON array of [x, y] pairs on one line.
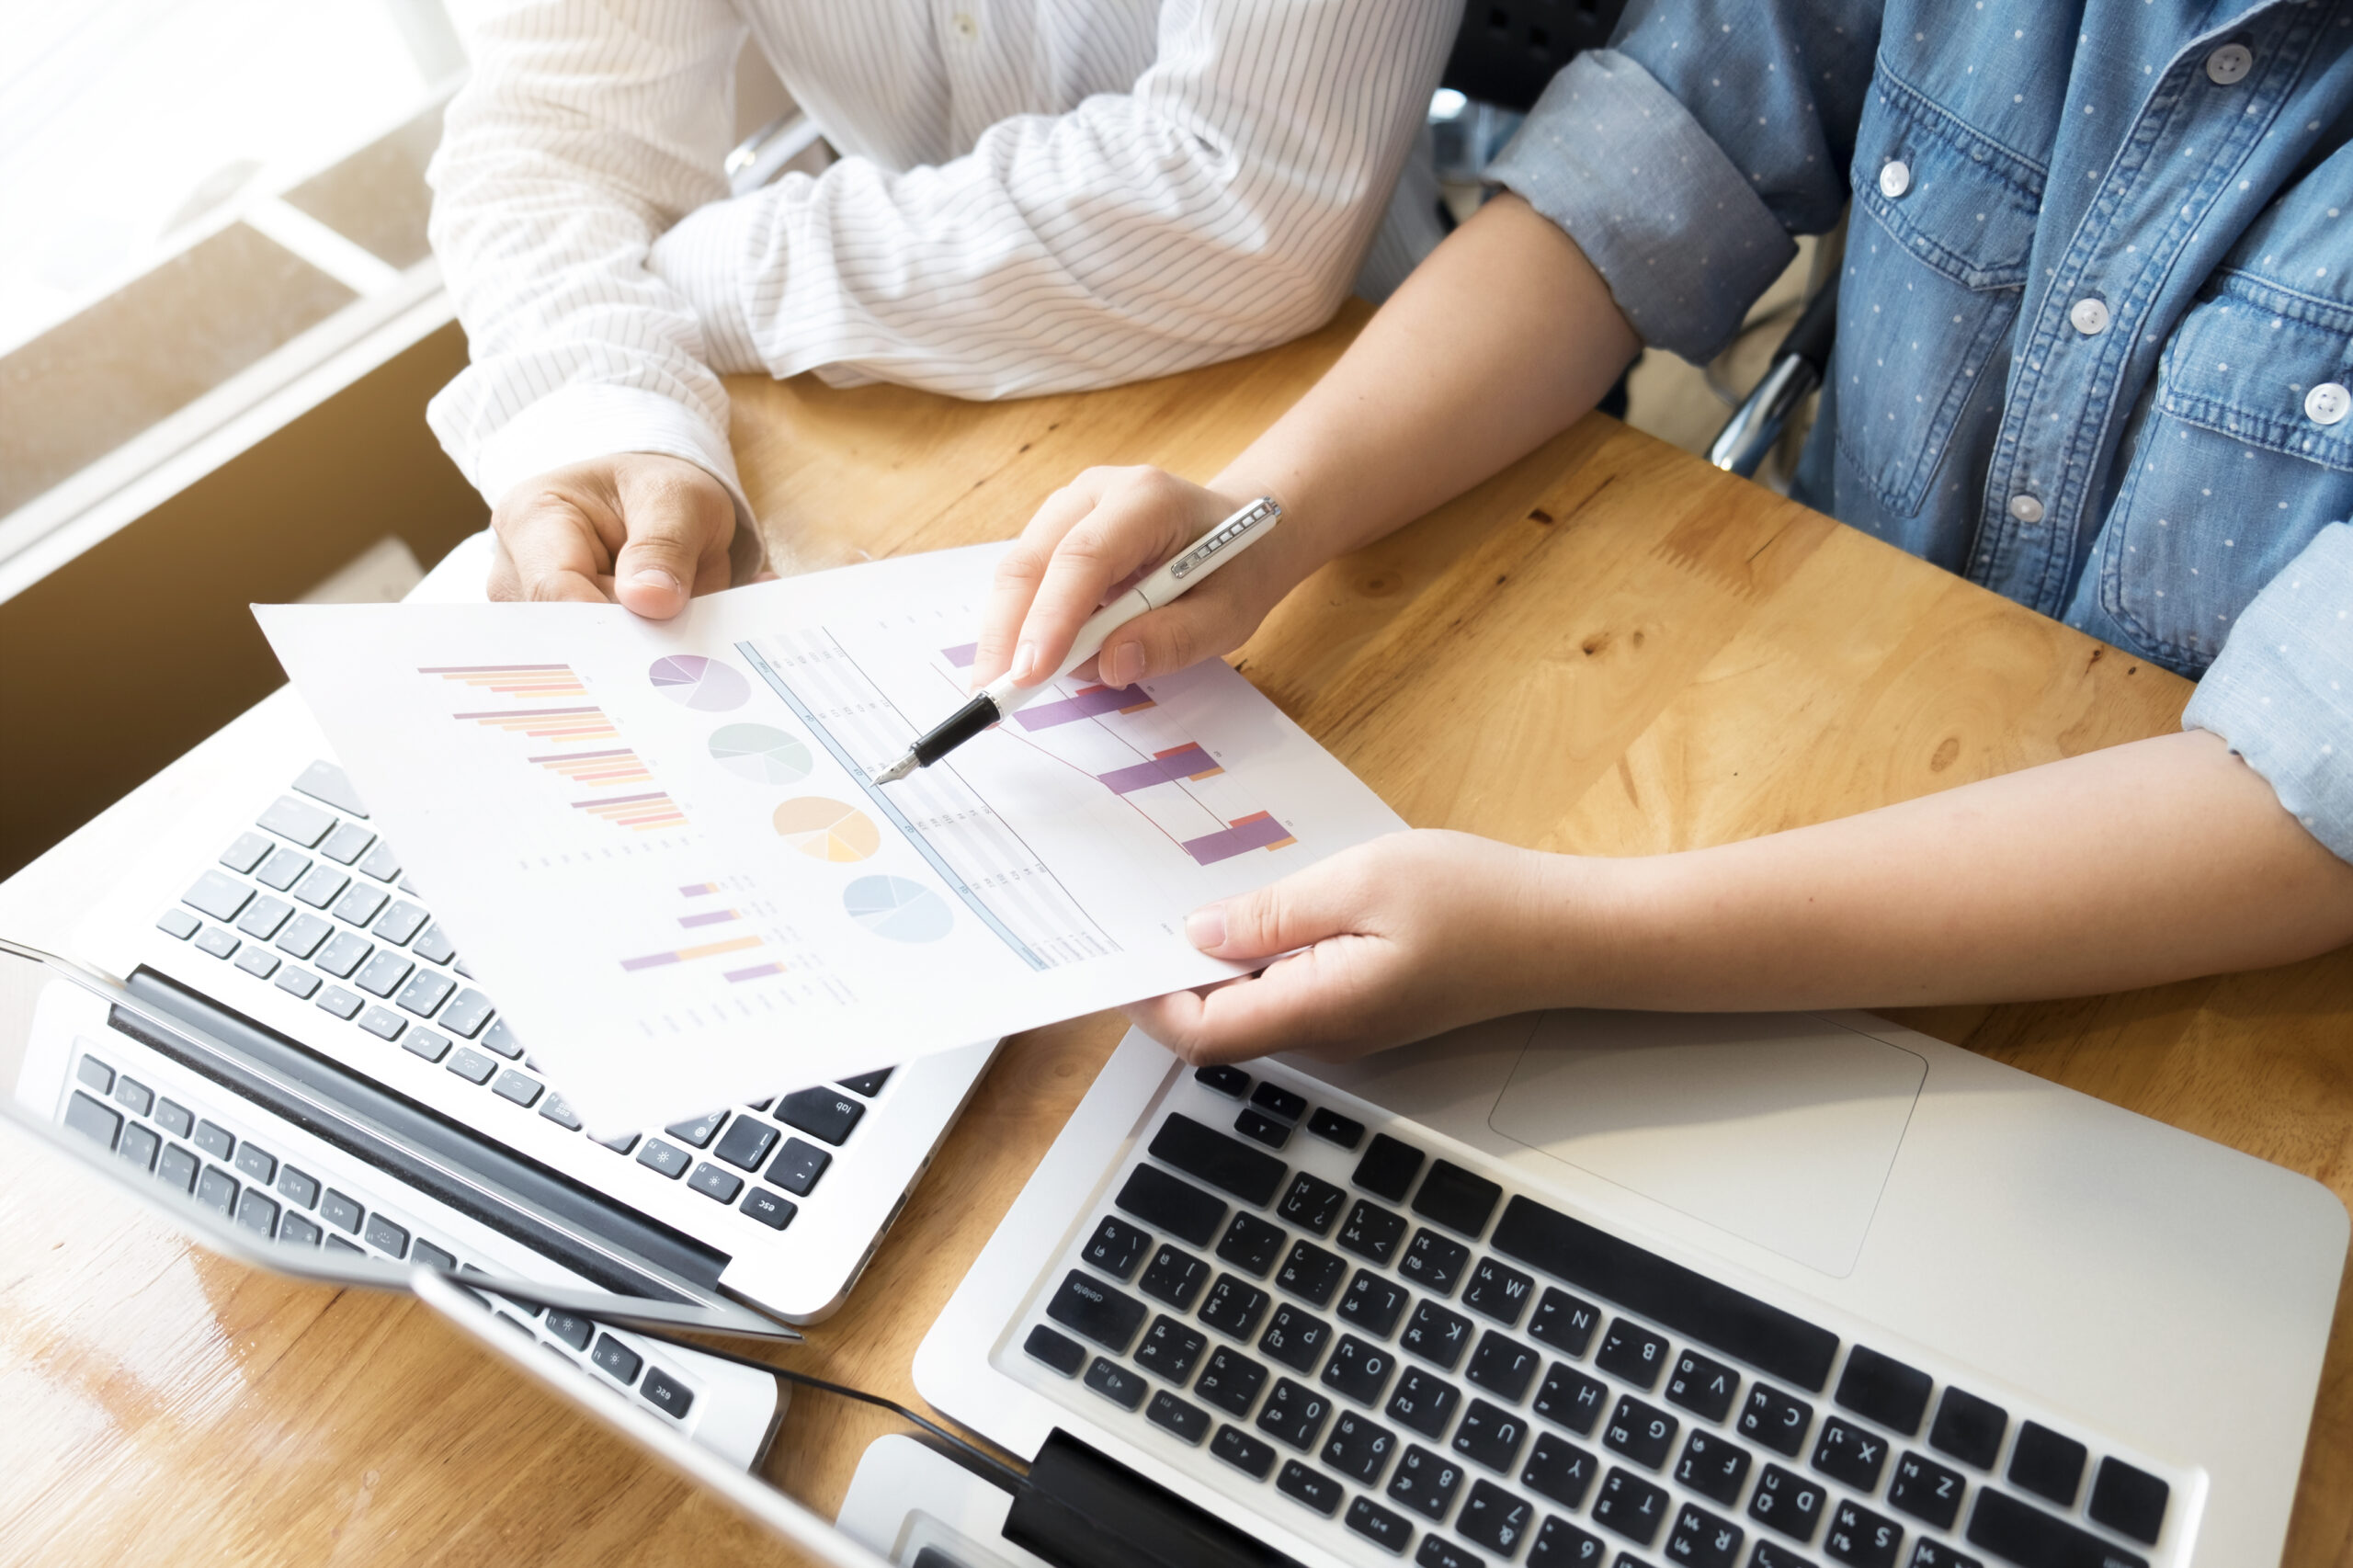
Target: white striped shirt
[[1035, 195]]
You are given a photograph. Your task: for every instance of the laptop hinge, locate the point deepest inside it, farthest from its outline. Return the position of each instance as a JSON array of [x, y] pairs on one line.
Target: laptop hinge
[[1083, 1510]]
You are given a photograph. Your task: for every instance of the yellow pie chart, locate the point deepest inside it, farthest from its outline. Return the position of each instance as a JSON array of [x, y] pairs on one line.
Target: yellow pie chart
[[826, 830]]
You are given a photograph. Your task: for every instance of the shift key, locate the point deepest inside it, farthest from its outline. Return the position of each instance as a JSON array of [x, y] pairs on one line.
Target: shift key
[[1086, 1305]]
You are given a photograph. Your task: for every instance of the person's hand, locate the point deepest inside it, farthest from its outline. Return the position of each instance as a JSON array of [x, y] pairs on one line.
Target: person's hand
[[1099, 533], [1391, 941], [646, 530]]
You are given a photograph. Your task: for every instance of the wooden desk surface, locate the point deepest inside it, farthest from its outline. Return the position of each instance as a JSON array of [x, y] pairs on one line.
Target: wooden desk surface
[[1639, 654]]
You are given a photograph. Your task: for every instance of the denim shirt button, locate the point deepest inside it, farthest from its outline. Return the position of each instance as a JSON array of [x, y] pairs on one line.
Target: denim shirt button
[[2026, 508], [2228, 65], [2088, 316], [1894, 178], [2328, 403]]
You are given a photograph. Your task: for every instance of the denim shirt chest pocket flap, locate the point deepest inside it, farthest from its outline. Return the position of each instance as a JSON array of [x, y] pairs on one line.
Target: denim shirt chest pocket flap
[[1935, 267], [2230, 474]]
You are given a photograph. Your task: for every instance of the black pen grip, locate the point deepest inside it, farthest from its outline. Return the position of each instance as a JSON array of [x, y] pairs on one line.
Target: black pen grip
[[956, 728]]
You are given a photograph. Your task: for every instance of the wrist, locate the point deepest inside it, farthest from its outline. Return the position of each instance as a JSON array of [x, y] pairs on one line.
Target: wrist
[[1588, 937]]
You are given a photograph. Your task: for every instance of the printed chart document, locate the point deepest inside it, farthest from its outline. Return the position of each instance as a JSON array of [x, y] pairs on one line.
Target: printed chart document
[[657, 845]]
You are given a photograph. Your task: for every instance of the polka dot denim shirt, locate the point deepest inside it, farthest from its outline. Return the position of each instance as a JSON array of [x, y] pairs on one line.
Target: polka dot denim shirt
[[2095, 341]]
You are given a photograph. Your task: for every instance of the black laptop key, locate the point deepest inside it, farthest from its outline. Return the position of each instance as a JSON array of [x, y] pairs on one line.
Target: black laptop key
[[1311, 1273], [1387, 1167], [1170, 1350], [616, 1360], [1373, 1302], [296, 982], [2129, 1501], [798, 1165], [1559, 1470], [1359, 1448], [433, 1256], [1490, 1436], [1295, 1337], [217, 1190], [257, 1212], [1860, 1537], [1642, 1432], [1560, 1544], [427, 989], [1456, 1198], [1968, 1428], [1502, 1365], [1776, 1419], [433, 944], [1685, 1301], [1242, 1452], [1175, 1278], [1164, 1202], [295, 1230], [1789, 1503], [1926, 1490], [1116, 1383], [174, 1118], [1294, 1414], [1227, 1164], [1571, 1399], [1703, 1541], [260, 962], [1433, 1262], [773, 1209], [1087, 1306], [1312, 1203], [1424, 1402], [672, 1398], [1334, 1128], [1703, 1385], [477, 1069], [714, 1182], [1437, 1551], [1233, 1306], [1389, 1532], [219, 896], [176, 1167], [2023, 1534], [1186, 1420], [1230, 1380], [1060, 1351], [298, 1186], [341, 1212], [96, 1074], [1884, 1390], [1310, 1487], [1251, 1244], [747, 1143], [1846, 1452], [1712, 1467], [385, 1024], [1498, 1291], [697, 1132], [1360, 1369], [1438, 1335], [1115, 1247], [464, 1015], [1426, 1482], [1927, 1553], [1494, 1518], [258, 1163], [93, 1120], [1563, 1322], [1225, 1078], [821, 1113], [1630, 1506], [1277, 1101], [385, 1236], [555, 1108], [2047, 1464], [215, 1140], [1260, 1128], [524, 1090], [1633, 1353], [138, 1147], [427, 1043], [1371, 1232]]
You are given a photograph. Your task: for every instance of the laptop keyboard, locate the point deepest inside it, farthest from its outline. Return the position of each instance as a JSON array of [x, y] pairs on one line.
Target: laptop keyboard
[[1428, 1365], [311, 902]]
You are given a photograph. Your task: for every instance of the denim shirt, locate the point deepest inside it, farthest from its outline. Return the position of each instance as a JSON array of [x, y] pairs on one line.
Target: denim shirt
[[2095, 317]]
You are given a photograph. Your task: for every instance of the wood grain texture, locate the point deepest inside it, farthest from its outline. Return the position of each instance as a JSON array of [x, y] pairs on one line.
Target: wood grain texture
[[1622, 651]]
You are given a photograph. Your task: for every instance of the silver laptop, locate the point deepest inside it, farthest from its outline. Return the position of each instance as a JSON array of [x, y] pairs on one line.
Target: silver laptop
[[1637, 1289]]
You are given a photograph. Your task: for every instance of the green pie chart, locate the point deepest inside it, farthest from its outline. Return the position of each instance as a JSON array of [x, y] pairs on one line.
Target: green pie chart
[[760, 754], [898, 909]]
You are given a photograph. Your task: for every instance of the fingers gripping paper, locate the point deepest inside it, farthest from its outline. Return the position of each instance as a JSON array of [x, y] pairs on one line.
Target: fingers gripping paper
[[657, 847]]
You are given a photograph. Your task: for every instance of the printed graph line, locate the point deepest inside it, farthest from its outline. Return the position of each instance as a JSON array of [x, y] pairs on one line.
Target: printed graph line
[[884, 803]]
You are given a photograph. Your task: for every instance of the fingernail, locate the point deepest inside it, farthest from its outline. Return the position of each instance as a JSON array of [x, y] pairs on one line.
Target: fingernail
[[1122, 665], [1205, 927], [656, 577], [1025, 659]]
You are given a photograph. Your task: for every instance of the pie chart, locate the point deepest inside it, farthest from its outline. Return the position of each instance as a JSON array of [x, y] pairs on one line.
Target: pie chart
[[828, 830], [694, 681], [897, 908], [759, 754]]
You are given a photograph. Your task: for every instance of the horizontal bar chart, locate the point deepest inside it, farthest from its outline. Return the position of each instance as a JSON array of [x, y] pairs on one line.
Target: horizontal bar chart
[[1084, 704], [710, 918], [639, 814], [699, 889], [512, 681], [1259, 830], [686, 955], [587, 723], [618, 765], [757, 972], [1187, 761]]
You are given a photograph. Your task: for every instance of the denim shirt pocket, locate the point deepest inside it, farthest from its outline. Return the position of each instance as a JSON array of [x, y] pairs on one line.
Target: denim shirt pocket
[[1936, 265], [2226, 478]]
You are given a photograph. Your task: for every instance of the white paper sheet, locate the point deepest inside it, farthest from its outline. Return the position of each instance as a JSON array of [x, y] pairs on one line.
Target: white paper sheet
[[656, 846]]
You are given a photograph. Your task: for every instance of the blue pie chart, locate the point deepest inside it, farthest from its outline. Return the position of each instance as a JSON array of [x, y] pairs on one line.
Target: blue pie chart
[[898, 909]]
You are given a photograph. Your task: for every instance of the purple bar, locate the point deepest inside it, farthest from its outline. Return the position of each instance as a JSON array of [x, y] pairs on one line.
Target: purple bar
[[1085, 705], [961, 657], [656, 960], [1251, 833], [715, 917], [1182, 763]]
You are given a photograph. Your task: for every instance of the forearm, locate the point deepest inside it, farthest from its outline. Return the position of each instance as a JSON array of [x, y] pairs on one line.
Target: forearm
[[1503, 338], [2154, 861]]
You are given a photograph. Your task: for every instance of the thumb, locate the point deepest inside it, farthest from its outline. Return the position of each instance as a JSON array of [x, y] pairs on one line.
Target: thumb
[[678, 519], [1325, 900], [1162, 642]]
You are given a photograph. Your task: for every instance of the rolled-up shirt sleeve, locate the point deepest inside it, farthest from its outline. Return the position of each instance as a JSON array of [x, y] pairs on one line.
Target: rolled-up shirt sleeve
[[2281, 690], [1684, 157]]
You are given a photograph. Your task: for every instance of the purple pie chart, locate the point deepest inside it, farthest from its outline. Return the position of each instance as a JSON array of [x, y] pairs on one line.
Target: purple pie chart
[[693, 681]]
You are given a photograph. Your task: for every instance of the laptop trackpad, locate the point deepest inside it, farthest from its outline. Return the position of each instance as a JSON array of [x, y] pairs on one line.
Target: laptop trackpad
[[1779, 1128]]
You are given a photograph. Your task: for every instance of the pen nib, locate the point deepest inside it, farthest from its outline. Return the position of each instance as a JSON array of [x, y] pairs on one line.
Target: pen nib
[[897, 770]]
